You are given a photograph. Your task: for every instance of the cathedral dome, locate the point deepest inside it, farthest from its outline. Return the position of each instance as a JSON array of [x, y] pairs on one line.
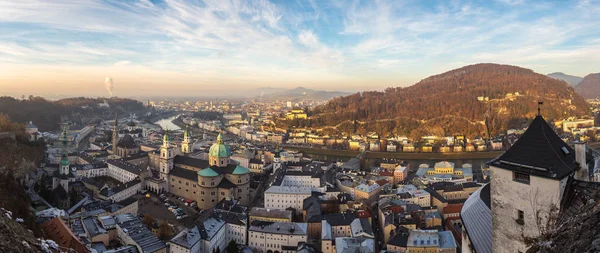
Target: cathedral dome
[[239, 170], [208, 172], [219, 149]]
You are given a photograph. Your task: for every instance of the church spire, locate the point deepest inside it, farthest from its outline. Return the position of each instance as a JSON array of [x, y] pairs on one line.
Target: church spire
[[64, 161], [186, 133], [166, 139]]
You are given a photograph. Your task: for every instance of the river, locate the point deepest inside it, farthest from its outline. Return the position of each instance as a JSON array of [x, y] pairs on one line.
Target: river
[[167, 123]]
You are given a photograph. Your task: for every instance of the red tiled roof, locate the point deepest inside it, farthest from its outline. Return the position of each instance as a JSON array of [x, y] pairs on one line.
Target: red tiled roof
[[382, 182], [386, 173], [364, 214], [452, 209], [57, 230]]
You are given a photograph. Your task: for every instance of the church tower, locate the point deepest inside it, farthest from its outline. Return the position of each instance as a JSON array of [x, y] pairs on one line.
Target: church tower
[[64, 169], [186, 144], [167, 154], [115, 138], [276, 161]]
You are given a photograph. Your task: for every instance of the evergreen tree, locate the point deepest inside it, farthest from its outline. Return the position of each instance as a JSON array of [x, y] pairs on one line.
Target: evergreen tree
[[232, 247]]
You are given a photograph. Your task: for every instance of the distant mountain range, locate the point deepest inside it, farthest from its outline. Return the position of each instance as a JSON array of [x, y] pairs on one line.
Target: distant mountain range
[[299, 93], [589, 87], [571, 80], [454, 102]]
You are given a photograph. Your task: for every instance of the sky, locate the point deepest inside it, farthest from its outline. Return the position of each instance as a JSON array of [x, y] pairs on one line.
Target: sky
[[230, 48]]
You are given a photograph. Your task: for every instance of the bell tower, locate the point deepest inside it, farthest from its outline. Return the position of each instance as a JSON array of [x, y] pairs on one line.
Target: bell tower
[[276, 161], [167, 155], [186, 144]]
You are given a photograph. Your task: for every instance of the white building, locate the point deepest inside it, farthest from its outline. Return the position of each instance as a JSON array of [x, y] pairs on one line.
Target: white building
[[215, 230], [123, 171], [337, 226], [526, 180], [283, 197], [570, 124], [91, 171], [187, 241], [301, 179], [122, 191], [411, 194], [267, 236]]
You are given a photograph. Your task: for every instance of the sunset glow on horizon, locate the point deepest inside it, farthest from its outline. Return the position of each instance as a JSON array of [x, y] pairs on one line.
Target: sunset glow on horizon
[[227, 48]]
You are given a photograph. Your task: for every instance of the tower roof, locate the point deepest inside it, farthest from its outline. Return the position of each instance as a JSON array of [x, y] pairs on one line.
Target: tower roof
[[219, 149], [127, 142], [186, 133], [539, 152], [166, 137]]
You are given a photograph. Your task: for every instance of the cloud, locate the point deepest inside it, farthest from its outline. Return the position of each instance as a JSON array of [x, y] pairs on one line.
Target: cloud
[[262, 41], [308, 39], [121, 63], [511, 2]]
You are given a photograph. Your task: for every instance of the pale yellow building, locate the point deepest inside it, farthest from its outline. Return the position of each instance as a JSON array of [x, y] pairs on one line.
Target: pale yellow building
[[296, 114]]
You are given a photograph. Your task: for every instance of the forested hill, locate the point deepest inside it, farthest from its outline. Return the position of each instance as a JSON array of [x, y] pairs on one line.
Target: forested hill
[[47, 115], [451, 103], [589, 87]]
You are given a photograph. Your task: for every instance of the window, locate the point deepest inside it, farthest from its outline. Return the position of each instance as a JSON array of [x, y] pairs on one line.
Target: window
[[520, 217], [521, 177]]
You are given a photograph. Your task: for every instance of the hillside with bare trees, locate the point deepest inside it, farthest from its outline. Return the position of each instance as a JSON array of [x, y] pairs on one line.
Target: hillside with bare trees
[[455, 102]]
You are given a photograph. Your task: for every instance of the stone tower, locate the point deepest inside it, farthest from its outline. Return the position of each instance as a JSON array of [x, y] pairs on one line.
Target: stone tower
[[167, 155], [186, 144]]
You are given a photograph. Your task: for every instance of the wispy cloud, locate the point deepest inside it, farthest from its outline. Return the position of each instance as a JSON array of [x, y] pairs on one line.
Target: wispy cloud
[[328, 42]]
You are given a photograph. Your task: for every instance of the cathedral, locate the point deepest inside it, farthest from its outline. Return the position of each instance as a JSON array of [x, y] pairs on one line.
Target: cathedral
[[205, 181]]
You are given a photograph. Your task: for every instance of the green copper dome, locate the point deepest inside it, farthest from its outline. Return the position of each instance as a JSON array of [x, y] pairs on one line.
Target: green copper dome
[[64, 162], [166, 137], [239, 170], [219, 149], [208, 172]]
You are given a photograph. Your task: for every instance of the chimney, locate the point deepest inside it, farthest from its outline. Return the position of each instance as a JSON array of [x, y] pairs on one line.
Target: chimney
[[580, 157]]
